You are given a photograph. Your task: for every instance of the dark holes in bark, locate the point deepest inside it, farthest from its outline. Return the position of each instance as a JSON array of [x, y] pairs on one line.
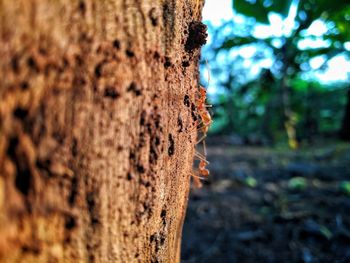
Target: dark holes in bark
[[194, 112], [129, 53], [70, 222], [20, 113], [163, 216], [179, 123], [15, 64], [110, 92], [23, 180], [31, 249], [163, 213], [162, 240], [79, 60], [129, 176], [73, 191], [145, 183], [157, 118], [82, 7], [142, 140], [116, 44], [187, 101], [167, 62], [156, 55], [24, 177], [133, 87], [74, 147], [92, 208], [44, 165], [158, 239], [185, 64], [140, 168], [143, 118], [132, 156], [64, 65], [155, 142], [171, 148], [32, 64], [98, 70], [24, 85], [197, 36], [153, 15]]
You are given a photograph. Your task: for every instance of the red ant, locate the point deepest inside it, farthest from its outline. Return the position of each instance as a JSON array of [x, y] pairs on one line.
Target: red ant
[[202, 126]]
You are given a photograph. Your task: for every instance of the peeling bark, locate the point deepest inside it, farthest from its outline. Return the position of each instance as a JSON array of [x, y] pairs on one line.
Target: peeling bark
[[96, 129]]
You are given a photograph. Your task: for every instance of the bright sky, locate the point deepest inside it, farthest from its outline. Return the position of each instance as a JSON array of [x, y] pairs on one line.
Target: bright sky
[[218, 11]]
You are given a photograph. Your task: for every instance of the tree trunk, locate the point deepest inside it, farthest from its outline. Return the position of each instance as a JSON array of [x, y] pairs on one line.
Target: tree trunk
[[97, 109]]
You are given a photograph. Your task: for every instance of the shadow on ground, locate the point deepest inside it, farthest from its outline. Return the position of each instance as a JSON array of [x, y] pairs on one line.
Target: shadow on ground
[[268, 205]]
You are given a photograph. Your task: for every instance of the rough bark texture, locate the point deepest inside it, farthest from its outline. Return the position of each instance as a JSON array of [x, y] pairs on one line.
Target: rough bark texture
[[97, 109]]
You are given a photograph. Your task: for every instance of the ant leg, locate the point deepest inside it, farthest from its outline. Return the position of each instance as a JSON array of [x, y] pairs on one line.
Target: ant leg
[[204, 149], [197, 176], [202, 139], [197, 127], [200, 157]]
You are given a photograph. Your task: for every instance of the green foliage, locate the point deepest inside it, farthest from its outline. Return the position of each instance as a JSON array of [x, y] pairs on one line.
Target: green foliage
[[344, 187], [250, 181], [282, 101], [259, 9], [297, 184], [326, 232]]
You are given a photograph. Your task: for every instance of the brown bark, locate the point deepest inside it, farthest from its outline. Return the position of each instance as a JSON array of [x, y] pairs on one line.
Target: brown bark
[[96, 147]]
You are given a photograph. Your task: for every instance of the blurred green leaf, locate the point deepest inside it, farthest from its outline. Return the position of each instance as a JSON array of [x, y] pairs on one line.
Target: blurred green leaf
[[297, 183], [251, 182], [344, 187], [237, 41], [259, 9], [326, 232]]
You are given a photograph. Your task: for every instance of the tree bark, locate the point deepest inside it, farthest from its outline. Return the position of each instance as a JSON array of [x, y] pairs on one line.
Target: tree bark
[[97, 112]]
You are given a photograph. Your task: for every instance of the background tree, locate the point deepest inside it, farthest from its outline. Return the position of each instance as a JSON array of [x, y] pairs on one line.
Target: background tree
[[345, 128], [270, 81], [95, 118]]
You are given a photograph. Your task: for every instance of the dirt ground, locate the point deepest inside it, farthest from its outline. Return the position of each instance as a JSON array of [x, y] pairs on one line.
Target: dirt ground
[[270, 205]]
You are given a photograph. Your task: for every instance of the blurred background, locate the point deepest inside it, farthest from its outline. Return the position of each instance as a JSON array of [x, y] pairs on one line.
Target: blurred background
[[279, 150]]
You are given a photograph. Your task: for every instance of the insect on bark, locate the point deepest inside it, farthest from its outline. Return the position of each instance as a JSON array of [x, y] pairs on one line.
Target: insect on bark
[[202, 126]]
